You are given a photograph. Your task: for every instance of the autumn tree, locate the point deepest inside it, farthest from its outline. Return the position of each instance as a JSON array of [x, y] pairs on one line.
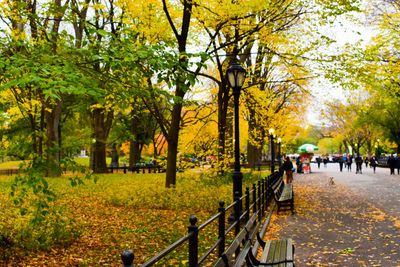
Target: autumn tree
[[373, 72], [39, 69]]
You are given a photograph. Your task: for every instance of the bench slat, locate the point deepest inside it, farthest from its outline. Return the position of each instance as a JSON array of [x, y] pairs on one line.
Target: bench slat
[[278, 253], [266, 251], [273, 250], [282, 252], [289, 254]]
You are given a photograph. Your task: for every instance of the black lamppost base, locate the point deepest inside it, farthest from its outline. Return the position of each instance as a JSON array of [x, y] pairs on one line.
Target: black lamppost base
[[237, 177]]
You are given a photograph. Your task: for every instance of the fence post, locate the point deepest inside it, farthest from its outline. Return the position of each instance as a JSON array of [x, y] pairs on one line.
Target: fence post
[[259, 201], [127, 258], [237, 212], [267, 191], [265, 195], [254, 198], [247, 204], [193, 242], [221, 228], [237, 208], [124, 168], [262, 198]]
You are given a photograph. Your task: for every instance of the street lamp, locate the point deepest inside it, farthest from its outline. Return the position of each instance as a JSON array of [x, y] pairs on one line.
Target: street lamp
[[279, 152], [93, 158], [356, 145], [271, 136], [236, 75]]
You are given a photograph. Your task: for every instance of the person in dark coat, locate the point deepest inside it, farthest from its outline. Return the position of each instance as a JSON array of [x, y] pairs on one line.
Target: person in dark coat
[[325, 161], [398, 163], [341, 161], [373, 162], [288, 168], [366, 162], [392, 164], [299, 165], [319, 160], [358, 160], [349, 162]]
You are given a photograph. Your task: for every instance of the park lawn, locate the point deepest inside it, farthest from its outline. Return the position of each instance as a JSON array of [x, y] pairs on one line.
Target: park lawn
[[120, 211], [10, 164], [85, 161], [15, 164]]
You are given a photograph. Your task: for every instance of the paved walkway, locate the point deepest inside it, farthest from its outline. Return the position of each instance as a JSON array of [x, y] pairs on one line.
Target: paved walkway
[[355, 222]]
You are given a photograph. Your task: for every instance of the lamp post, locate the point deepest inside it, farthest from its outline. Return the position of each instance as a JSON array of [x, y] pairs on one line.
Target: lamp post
[[271, 136], [356, 145], [236, 75], [93, 159], [279, 152]]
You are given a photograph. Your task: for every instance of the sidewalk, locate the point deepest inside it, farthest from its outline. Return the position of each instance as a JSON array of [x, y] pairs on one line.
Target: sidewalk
[[332, 226]]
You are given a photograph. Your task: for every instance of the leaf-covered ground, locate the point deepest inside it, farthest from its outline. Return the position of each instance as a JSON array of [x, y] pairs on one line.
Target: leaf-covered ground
[[334, 227], [331, 226], [119, 212]]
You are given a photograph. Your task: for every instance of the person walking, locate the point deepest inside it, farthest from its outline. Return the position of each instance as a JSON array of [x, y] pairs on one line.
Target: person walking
[[349, 162], [325, 161], [358, 160], [299, 165], [392, 164], [373, 162], [288, 168], [319, 161], [341, 161], [398, 163]]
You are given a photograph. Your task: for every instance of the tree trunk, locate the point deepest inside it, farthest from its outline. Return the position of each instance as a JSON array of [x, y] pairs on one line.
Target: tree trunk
[[252, 155], [172, 139], [101, 123], [42, 125], [223, 101], [34, 134], [134, 149], [252, 150], [134, 153], [52, 117], [229, 146], [134, 146]]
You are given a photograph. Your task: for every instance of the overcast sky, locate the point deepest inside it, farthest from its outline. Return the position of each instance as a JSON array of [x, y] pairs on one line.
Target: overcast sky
[[343, 31]]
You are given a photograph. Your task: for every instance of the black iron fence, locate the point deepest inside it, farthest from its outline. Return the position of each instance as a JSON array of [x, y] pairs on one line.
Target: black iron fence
[[9, 172], [148, 168], [256, 202]]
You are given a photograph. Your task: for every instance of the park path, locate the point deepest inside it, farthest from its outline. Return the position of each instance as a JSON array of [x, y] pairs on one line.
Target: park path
[[354, 222]]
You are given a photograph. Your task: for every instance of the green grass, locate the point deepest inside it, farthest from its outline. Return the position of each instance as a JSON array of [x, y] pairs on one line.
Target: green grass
[[15, 164], [10, 164]]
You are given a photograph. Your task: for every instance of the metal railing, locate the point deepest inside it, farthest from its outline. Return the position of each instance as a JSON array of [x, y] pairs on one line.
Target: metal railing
[[255, 201]]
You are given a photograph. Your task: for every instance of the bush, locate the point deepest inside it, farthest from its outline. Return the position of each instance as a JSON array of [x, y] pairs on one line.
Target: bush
[[20, 234]]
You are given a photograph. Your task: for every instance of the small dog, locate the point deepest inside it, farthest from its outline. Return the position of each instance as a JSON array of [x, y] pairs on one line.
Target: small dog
[[331, 181]]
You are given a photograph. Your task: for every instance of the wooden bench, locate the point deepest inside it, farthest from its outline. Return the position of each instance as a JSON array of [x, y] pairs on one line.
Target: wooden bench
[[275, 253], [283, 194], [244, 238]]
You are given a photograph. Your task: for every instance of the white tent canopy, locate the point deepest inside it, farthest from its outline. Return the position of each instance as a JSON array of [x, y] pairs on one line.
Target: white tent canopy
[[307, 148]]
